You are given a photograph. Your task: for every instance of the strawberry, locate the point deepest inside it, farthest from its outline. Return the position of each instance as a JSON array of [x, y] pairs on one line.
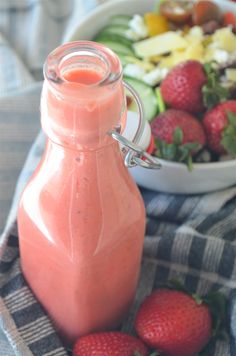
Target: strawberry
[[178, 135], [182, 87], [109, 344], [220, 127], [174, 323]]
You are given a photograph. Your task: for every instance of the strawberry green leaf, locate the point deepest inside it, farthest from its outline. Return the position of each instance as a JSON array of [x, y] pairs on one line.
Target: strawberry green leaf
[[213, 92], [190, 163], [177, 151], [228, 137], [217, 304], [232, 118], [178, 136]]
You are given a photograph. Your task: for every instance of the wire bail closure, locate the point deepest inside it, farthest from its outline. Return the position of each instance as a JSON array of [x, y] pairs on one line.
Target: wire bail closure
[[133, 154]]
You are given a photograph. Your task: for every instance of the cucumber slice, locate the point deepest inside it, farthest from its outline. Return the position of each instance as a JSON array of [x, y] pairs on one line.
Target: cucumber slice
[[115, 30], [106, 36], [117, 47], [126, 59], [120, 20], [147, 95], [123, 58]]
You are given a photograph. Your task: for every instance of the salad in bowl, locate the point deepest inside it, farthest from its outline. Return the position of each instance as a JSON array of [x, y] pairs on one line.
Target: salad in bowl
[[180, 56]]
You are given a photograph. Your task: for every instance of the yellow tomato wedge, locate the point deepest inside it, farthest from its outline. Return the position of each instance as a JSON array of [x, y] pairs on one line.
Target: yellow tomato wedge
[[156, 24]]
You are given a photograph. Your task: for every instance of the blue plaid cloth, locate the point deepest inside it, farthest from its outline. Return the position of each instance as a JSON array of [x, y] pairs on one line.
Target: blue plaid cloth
[[191, 238]]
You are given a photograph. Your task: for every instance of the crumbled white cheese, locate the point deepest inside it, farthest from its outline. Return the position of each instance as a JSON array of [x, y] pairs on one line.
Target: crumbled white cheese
[[232, 56], [179, 10], [220, 56], [155, 76], [164, 72], [132, 35], [196, 31], [133, 70], [138, 25]]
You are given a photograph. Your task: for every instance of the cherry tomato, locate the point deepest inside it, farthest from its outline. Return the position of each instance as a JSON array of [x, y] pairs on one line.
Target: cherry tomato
[[229, 19], [176, 11], [205, 11], [152, 147]]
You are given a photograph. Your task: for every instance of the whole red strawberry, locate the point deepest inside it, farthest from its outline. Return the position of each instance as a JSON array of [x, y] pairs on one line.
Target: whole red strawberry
[[220, 127], [178, 135], [173, 323], [182, 87], [112, 343]]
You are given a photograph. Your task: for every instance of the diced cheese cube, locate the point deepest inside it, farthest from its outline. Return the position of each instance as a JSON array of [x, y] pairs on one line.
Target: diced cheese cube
[[224, 39], [231, 74], [221, 56], [155, 76]]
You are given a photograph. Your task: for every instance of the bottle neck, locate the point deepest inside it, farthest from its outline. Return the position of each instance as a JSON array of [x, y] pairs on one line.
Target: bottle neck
[[83, 96]]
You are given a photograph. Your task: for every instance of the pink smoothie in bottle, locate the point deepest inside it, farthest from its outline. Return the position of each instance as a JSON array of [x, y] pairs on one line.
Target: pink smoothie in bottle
[[81, 217]]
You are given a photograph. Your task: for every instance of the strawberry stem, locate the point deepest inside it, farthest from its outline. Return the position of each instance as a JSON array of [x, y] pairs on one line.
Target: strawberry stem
[[160, 101], [197, 298], [213, 92], [228, 140]]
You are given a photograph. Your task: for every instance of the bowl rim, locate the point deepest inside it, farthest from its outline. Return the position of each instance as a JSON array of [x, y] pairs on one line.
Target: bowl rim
[[199, 166]]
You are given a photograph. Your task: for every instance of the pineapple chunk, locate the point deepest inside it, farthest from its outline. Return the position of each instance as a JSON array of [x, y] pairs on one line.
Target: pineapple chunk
[[160, 44], [231, 74], [145, 64], [224, 39], [155, 59], [209, 54], [167, 62], [194, 51], [195, 35], [173, 59]]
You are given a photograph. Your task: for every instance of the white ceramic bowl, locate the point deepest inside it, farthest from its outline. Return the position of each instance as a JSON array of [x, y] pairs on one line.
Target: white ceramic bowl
[[172, 177]]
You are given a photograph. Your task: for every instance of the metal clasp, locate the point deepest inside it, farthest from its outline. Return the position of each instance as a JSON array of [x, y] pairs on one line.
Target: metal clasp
[[134, 155]]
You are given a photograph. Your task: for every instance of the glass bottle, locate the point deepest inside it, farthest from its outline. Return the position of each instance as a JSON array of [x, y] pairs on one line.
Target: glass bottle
[[81, 218]]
